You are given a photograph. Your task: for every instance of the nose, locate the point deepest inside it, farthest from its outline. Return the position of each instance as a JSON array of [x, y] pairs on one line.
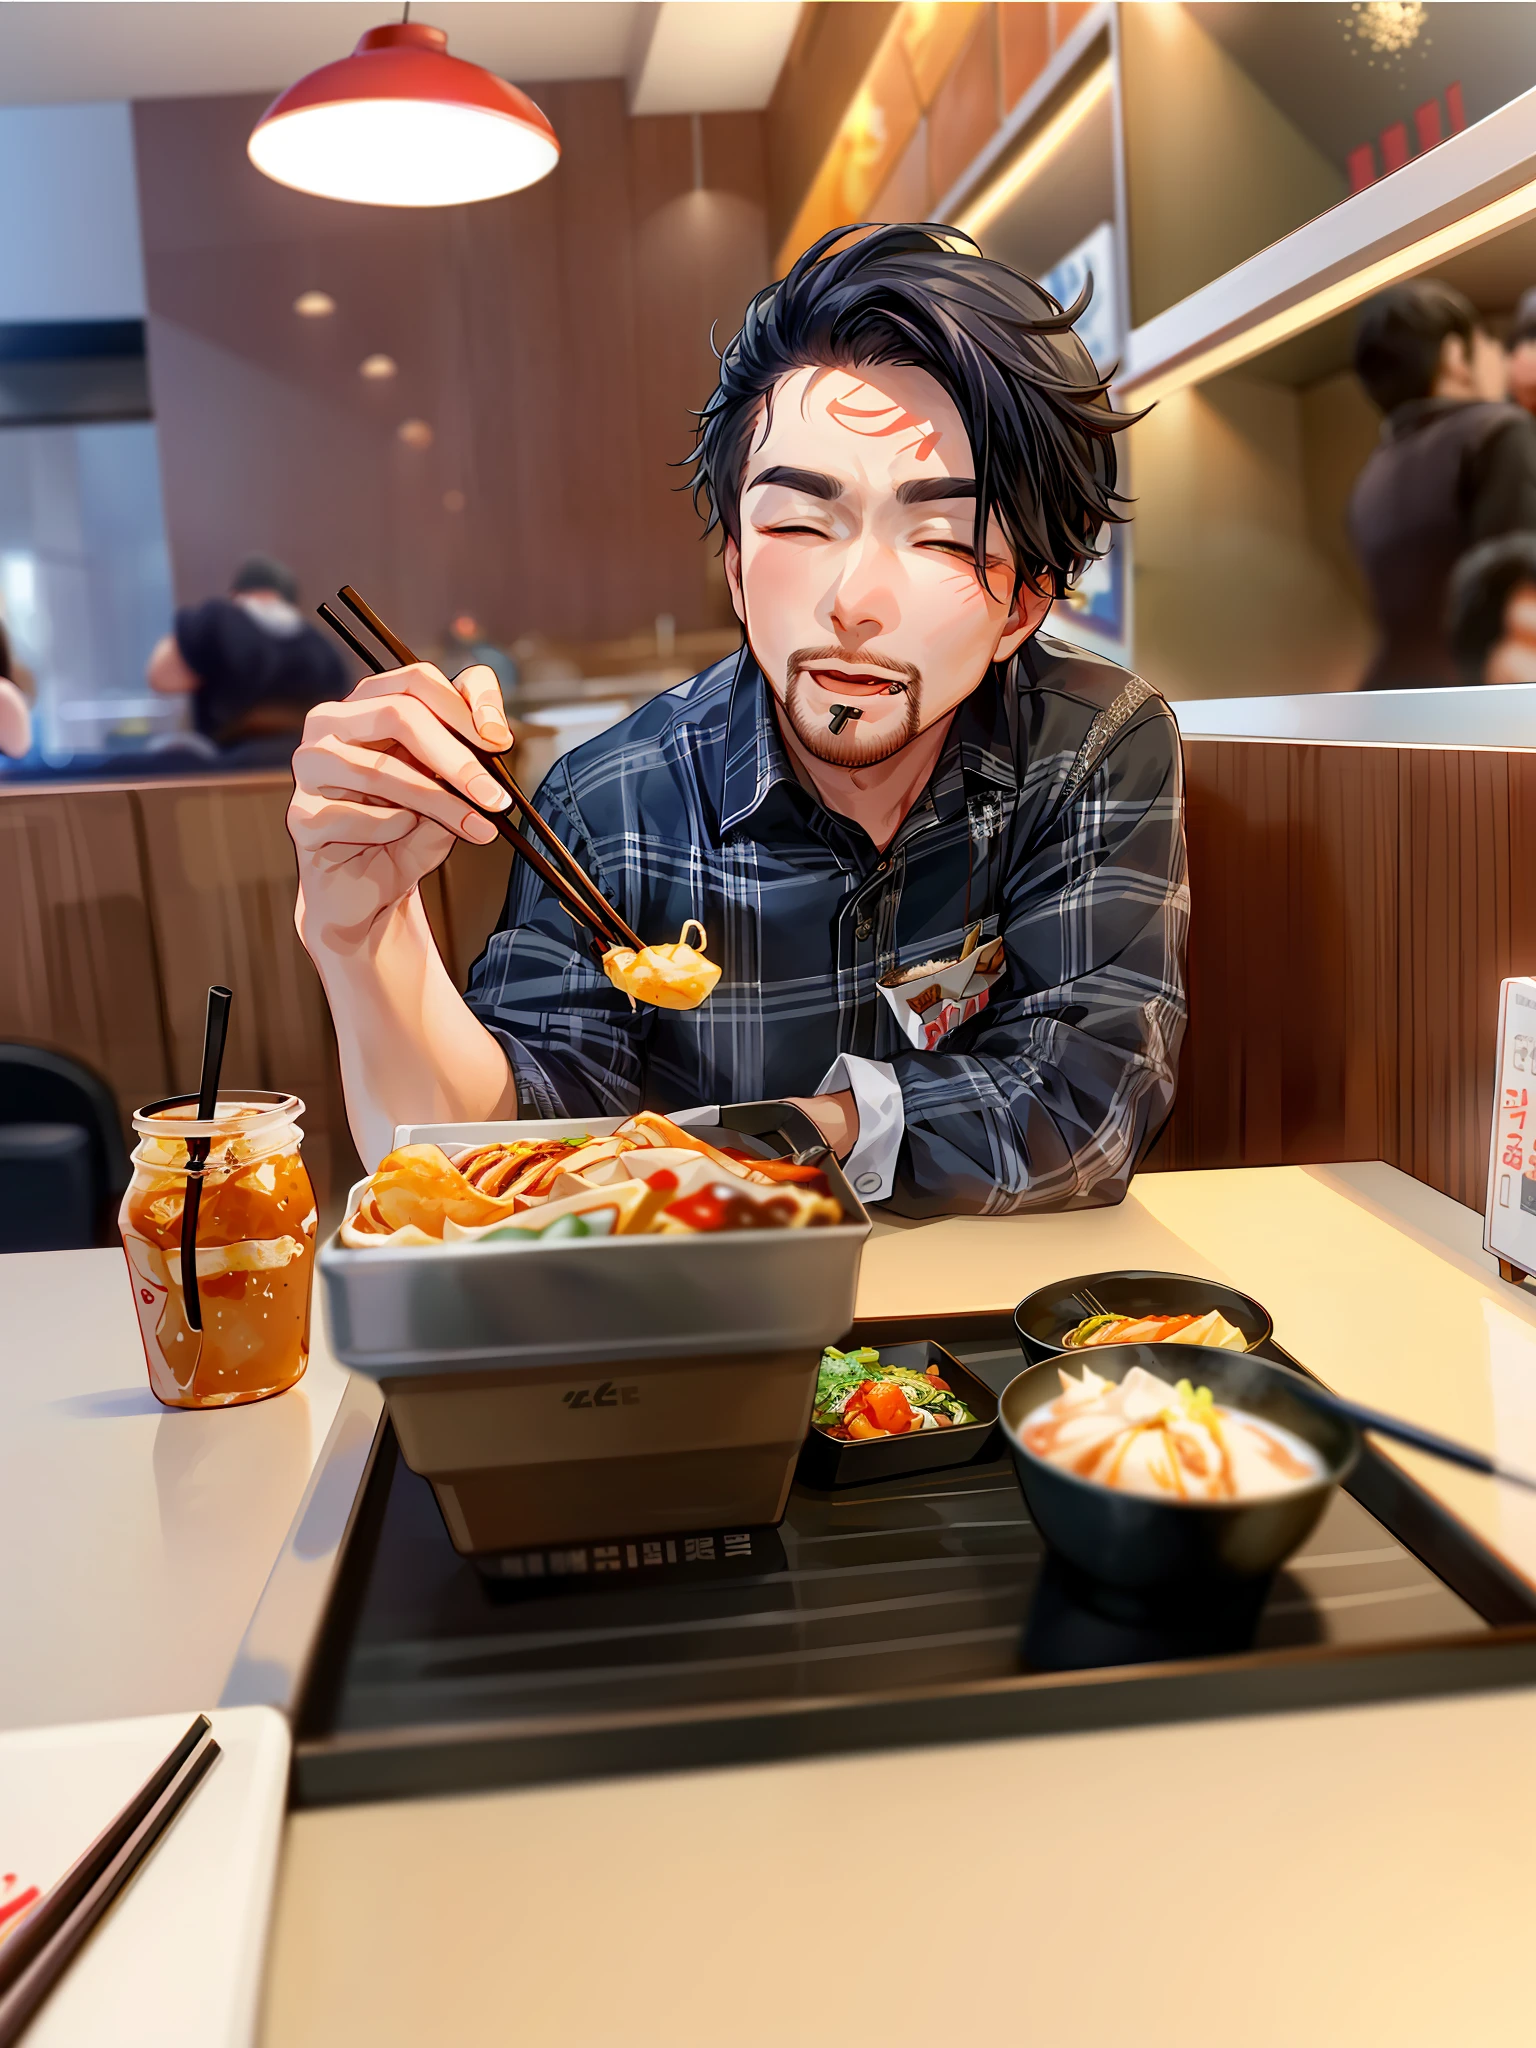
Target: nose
[[862, 603]]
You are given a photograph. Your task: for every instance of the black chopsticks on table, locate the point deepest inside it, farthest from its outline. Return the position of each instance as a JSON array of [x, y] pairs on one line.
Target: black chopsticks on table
[[1427, 1440], [45, 1944], [576, 890]]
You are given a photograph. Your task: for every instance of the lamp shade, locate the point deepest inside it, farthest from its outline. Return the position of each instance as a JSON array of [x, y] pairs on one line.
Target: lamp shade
[[401, 123]]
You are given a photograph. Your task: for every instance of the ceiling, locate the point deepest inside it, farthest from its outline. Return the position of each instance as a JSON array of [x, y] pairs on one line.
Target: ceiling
[[684, 56]]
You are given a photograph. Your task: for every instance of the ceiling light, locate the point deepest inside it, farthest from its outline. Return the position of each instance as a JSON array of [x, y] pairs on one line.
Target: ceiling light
[[375, 367], [314, 305], [984, 209], [401, 123], [1148, 386], [415, 433]]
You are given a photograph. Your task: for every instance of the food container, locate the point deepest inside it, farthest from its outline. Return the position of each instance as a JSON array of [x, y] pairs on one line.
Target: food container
[[1138, 1552], [446, 1308], [1043, 1318], [607, 1387], [829, 1461], [255, 1248]]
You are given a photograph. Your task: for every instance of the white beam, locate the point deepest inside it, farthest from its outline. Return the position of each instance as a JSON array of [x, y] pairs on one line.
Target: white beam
[[709, 56]]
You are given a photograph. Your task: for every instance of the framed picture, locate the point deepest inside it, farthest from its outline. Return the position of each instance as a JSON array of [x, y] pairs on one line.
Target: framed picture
[[1509, 1220]]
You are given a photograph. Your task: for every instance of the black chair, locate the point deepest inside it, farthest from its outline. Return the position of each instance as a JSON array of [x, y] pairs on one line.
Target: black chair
[[63, 1162]]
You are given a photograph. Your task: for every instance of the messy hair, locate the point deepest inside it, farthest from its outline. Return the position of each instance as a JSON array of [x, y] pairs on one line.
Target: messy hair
[[1400, 335], [1036, 411]]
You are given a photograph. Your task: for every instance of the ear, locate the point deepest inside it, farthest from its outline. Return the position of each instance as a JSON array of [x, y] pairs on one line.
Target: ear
[[1027, 616], [731, 556]]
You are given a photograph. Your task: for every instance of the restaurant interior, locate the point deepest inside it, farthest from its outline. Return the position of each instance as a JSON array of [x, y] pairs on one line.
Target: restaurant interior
[[533, 1623]]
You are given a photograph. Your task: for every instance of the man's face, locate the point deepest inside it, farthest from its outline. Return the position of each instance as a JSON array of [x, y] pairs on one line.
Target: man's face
[[855, 576], [1522, 374]]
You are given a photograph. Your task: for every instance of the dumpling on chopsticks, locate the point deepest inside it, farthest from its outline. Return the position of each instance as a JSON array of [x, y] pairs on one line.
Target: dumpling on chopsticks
[[669, 977]]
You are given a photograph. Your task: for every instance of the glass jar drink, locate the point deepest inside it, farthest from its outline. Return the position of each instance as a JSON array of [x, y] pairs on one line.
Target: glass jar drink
[[255, 1249]]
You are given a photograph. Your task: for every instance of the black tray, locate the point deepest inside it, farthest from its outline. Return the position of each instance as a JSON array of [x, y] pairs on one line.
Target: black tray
[[829, 1461], [904, 1612]]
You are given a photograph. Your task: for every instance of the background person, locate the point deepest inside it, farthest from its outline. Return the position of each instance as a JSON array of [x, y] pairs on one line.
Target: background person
[[1456, 465], [1522, 353], [1491, 615], [15, 711], [252, 664]]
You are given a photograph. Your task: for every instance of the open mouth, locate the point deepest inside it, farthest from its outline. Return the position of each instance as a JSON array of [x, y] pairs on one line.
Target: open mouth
[[849, 683]]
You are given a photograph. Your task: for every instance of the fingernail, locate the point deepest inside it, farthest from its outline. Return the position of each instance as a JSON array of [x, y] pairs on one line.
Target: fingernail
[[478, 828], [496, 730], [487, 792]]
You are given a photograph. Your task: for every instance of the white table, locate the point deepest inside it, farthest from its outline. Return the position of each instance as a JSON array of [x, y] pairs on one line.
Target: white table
[[140, 1538]]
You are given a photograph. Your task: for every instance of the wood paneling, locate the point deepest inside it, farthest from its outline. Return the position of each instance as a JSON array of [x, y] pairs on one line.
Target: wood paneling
[[833, 47], [1354, 910], [554, 340], [966, 107]]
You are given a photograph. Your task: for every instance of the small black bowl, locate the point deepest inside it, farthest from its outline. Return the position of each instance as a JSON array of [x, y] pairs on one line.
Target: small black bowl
[[1043, 1318], [1158, 1551], [828, 1461]]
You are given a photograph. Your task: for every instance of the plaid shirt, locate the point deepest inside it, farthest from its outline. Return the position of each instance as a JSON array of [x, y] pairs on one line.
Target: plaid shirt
[[1054, 818]]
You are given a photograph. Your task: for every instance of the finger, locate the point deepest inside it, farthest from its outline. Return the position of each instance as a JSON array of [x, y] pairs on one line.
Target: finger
[[334, 770], [407, 724], [470, 705]]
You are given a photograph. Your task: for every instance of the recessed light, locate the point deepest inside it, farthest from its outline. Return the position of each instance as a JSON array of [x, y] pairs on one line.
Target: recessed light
[[415, 433], [314, 305], [453, 501], [376, 367]]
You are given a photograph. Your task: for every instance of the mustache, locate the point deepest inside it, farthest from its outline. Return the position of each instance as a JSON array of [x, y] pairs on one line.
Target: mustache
[[812, 657]]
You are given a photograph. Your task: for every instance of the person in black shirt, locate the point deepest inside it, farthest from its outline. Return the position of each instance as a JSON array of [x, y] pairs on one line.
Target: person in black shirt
[[1456, 465], [251, 663]]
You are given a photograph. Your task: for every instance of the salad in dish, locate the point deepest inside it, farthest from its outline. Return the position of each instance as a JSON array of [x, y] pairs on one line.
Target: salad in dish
[[650, 1177], [1142, 1436], [859, 1396], [1210, 1329]]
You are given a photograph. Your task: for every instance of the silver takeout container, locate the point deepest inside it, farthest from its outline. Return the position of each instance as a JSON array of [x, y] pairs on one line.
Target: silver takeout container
[[450, 1308], [604, 1387]]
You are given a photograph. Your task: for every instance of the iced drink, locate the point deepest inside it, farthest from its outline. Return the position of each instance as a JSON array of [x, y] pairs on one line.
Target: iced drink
[[255, 1250]]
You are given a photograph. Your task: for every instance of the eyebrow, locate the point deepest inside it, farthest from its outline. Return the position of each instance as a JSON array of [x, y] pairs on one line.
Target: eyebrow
[[811, 483], [925, 490]]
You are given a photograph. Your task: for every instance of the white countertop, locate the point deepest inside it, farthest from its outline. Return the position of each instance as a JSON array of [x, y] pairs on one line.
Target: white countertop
[[1501, 716], [140, 1538]]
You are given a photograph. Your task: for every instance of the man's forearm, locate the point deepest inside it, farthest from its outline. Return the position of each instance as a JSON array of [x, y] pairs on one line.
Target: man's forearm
[[411, 1050]]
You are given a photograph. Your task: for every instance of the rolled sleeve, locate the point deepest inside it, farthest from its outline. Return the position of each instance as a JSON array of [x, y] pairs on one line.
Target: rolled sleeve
[[870, 1167]]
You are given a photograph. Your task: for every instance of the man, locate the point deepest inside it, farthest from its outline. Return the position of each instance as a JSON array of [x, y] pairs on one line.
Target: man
[[252, 664], [1456, 465], [909, 454], [1522, 353]]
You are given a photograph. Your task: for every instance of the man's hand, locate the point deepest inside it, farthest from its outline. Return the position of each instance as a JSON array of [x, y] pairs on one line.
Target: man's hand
[[835, 1116], [380, 782]]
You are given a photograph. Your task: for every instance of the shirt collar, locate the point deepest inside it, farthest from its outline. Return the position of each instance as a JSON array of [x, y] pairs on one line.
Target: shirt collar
[[978, 751]]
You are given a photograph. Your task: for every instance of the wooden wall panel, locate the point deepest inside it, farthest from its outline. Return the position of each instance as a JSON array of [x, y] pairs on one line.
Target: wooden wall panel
[[80, 973], [1353, 912]]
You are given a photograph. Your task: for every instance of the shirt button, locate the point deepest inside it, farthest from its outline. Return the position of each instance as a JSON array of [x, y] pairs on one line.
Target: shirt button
[[863, 929], [868, 1183]]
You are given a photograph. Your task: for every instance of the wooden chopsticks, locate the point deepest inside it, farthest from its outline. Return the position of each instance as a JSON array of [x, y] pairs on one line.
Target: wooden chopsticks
[[576, 890], [36, 1956]]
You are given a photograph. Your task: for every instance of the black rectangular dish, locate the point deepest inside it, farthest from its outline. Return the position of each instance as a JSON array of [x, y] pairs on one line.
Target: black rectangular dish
[[894, 1614], [828, 1461]]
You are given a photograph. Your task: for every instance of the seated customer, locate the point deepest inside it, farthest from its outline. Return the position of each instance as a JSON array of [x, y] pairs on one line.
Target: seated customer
[[1492, 613], [252, 664], [1456, 465], [908, 458]]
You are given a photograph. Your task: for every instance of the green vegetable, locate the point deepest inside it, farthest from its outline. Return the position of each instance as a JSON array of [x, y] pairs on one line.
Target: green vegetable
[[843, 1371]]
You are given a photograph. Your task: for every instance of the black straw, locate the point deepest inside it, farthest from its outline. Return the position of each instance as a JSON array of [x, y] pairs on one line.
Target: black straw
[[215, 1030]]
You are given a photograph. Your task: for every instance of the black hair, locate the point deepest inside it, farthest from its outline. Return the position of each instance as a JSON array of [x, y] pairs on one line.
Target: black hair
[[1400, 336], [260, 572], [1524, 327], [1479, 589], [1036, 411], [5, 654]]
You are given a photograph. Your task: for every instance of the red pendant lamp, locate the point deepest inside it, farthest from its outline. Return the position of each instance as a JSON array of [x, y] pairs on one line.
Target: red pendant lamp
[[401, 123]]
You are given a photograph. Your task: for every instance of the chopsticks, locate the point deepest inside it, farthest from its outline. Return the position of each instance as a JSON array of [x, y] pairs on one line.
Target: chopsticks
[[577, 892], [47, 1941], [1409, 1433]]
